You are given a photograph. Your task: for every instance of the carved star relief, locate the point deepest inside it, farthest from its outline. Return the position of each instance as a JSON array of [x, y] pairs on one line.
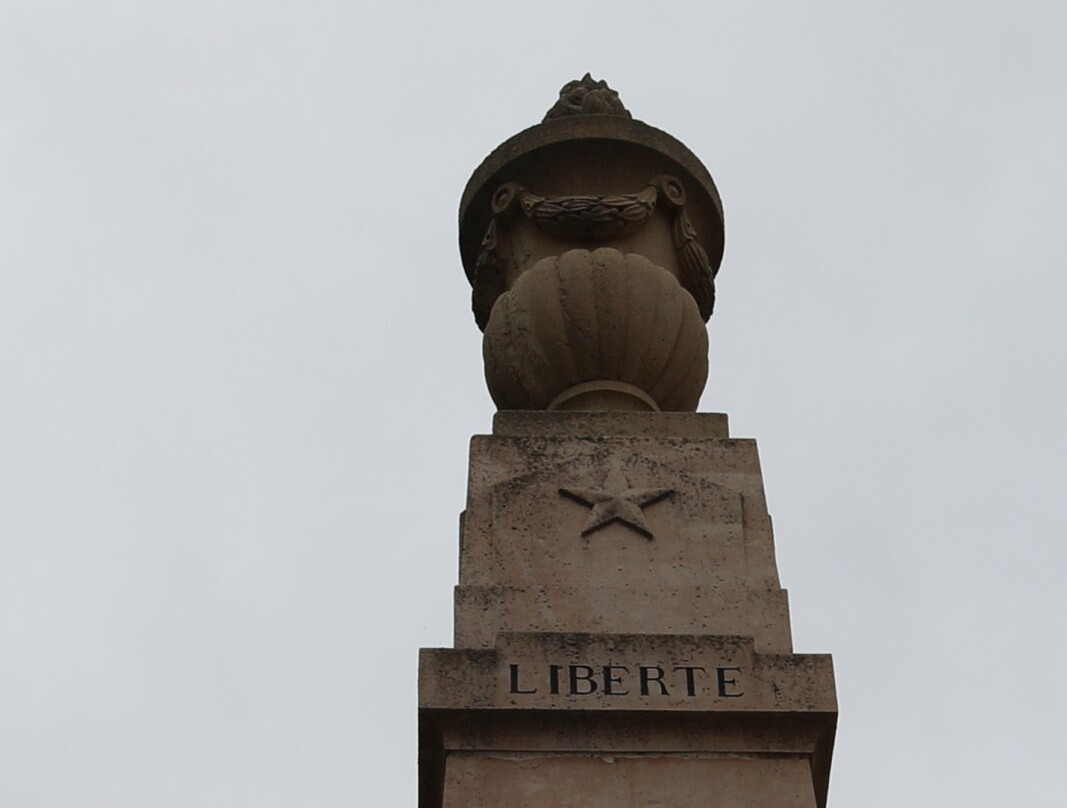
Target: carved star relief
[[617, 502]]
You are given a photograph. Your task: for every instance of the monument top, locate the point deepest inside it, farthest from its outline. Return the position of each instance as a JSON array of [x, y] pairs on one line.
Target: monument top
[[591, 241], [586, 129]]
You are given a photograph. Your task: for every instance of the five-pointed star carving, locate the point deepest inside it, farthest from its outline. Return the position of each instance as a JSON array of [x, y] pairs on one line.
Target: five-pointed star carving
[[617, 502]]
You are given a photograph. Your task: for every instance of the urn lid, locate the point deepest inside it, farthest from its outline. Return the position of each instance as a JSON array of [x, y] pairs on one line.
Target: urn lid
[[588, 143]]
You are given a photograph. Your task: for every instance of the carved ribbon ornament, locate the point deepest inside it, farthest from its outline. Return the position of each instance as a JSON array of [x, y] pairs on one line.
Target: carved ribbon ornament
[[591, 218]]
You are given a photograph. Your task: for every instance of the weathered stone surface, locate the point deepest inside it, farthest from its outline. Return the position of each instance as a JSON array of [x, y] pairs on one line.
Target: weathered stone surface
[[614, 781], [482, 612], [546, 671], [587, 96], [541, 711], [520, 530], [577, 638], [689, 550], [612, 424], [591, 156], [592, 242], [595, 319], [621, 638]]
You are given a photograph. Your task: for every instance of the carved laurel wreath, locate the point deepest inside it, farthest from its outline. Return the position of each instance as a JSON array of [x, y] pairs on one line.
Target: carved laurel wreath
[[595, 218]]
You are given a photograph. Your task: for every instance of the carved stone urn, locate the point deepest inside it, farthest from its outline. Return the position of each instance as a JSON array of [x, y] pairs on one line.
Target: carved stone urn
[[591, 242]]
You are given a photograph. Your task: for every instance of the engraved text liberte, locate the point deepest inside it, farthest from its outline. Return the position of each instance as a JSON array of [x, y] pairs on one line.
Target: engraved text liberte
[[623, 680]]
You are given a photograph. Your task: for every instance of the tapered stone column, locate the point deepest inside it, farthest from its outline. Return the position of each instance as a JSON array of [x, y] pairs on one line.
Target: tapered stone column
[[621, 637]]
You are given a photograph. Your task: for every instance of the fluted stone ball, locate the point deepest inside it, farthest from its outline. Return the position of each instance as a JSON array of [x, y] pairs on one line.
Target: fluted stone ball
[[587, 325]]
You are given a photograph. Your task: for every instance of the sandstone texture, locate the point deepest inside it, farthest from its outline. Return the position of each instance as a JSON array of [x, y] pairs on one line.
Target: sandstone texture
[[597, 661], [621, 636]]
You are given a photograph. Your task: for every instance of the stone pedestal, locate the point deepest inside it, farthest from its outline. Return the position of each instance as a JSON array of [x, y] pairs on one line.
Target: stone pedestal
[[621, 638]]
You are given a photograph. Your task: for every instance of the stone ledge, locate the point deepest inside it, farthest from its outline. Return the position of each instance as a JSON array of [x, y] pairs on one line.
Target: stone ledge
[[550, 671], [709, 704], [532, 423], [483, 612]]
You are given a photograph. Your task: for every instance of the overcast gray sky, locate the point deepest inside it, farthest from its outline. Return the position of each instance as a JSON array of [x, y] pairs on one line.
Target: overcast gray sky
[[240, 371]]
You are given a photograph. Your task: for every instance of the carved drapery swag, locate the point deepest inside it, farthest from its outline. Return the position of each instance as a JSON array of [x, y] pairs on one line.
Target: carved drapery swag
[[588, 218]]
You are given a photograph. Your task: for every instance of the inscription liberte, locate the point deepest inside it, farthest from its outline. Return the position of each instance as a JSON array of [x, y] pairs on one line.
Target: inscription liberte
[[624, 680]]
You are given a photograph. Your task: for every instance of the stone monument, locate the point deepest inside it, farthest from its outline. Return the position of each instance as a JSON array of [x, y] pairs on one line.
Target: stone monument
[[621, 637]]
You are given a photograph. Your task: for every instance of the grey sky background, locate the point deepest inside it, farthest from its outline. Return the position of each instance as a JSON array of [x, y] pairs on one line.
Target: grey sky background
[[239, 372]]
